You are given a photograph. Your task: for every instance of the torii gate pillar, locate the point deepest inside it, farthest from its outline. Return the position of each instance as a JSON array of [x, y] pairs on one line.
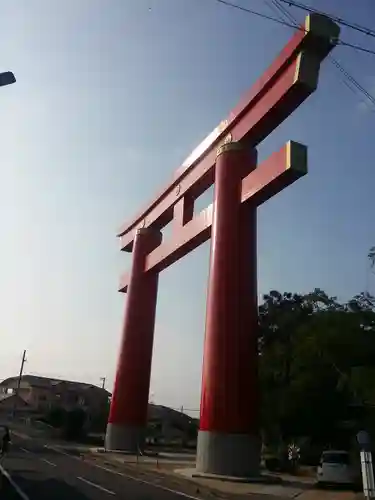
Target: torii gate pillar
[[228, 441], [129, 406]]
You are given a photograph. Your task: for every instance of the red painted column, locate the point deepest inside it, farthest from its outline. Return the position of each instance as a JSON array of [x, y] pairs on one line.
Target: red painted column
[[228, 438], [129, 406]]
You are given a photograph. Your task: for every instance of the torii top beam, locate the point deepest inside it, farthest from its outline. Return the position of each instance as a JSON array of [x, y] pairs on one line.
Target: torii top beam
[[290, 79]]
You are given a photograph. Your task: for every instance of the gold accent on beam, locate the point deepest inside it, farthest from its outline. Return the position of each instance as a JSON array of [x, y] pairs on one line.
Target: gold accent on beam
[[229, 146], [322, 27], [307, 69], [322, 35], [296, 157]]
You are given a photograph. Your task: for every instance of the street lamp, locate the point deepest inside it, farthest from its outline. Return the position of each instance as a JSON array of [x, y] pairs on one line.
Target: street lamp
[[7, 78]]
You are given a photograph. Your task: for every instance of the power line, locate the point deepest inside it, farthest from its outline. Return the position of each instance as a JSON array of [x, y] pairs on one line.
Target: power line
[[273, 7], [340, 20], [289, 25], [254, 12], [356, 47], [349, 81], [353, 81], [279, 8], [291, 18]]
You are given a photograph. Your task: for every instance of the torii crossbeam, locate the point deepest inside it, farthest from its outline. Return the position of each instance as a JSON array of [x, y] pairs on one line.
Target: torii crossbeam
[[228, 440]]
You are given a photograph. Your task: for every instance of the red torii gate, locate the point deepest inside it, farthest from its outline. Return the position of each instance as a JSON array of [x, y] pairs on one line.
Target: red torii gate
[[228, 440]]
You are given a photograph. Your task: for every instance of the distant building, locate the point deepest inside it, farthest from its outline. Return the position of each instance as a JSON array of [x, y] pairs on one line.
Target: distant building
[[169, 425], [41, 394], [8, 402]]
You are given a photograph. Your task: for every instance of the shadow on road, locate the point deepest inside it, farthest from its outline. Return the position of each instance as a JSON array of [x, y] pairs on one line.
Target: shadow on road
[[39, 488], [354, 488]]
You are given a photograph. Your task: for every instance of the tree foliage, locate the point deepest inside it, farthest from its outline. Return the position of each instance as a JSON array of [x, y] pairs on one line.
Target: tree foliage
[[371, 256], [317, 365], [70, 422]]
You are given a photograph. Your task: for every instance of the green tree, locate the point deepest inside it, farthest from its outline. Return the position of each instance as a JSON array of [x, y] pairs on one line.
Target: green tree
[[317, 357], [56, 417]]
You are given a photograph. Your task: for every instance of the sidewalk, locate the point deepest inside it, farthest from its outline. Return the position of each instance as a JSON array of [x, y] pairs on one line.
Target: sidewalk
[[179, 470]]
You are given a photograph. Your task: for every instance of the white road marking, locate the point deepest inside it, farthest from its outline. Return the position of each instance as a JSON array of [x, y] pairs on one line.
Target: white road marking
[[110, 470], [57, 450], [96, 486], [26, 451], [48, 462], [136, 479], [15, 486], [20, 435]]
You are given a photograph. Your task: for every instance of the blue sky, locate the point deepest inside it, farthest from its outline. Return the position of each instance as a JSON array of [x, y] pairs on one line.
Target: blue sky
[[111, 96]]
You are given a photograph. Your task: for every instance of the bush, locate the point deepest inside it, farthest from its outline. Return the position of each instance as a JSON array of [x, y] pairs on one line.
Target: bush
[[74, 424], [71, 423], [273, 464], [56, 417]]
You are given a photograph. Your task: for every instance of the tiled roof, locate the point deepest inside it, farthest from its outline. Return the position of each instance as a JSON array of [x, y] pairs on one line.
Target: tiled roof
[[37, 381], [4, 397]]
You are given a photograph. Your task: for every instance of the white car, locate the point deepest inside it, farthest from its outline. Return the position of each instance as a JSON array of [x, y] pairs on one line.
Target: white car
[[336, 467]]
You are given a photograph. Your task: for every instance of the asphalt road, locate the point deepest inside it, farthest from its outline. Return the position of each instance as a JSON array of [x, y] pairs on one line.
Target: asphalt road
[[42, 473]]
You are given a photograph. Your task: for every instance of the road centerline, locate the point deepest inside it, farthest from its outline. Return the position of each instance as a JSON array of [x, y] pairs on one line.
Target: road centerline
[[96, 485], [48, 462]]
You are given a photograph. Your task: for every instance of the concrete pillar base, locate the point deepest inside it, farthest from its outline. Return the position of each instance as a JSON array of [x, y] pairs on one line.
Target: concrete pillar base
[[235, 455], [124, 438]]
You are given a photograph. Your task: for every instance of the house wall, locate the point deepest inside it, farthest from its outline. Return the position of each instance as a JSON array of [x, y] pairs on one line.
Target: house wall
[[8, 404]]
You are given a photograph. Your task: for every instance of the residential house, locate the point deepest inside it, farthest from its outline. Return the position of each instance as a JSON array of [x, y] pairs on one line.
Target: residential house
[[41, 394]]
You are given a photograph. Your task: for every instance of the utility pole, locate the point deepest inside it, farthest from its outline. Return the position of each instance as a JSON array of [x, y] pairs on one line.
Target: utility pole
[[19, 381], [103, 379]]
